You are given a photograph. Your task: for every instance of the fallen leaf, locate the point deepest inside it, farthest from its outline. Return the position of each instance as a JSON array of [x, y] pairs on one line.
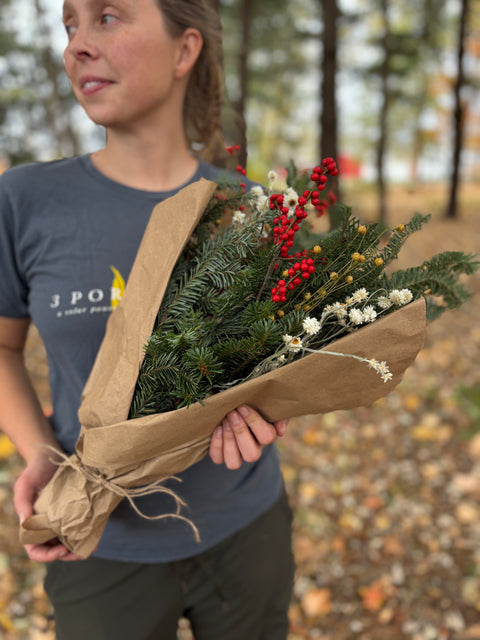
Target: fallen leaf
[[7, 448], [376, 594], [316, 603], [411, 402], [472, 633], [5, 622]]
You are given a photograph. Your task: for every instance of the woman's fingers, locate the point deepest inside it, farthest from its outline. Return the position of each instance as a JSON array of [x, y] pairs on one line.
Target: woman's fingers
[[281, 427], [237, 432], [241, 437], [216, 446], [263, 431], [231, 449], [50, 552]]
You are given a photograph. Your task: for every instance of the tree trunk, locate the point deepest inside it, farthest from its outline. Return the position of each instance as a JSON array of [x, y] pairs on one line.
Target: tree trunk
[[458, 115], [241, 104], [328, 113], [58, 120], [383, 119]]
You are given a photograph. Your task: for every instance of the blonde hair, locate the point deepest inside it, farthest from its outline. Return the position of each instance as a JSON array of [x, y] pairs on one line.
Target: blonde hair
[[202, 110]]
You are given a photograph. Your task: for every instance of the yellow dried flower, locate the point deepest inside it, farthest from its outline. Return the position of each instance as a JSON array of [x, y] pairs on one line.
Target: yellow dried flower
[[307, 295], [272, 317], [280, 313], [285, 274], [349, 279], [362, 229], [317, 249], [356, 256], [400, 228], [334, 275], [362, 258], [378, 262]]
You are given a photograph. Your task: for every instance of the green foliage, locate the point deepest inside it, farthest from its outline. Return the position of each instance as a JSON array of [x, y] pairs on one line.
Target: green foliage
[[220, 321], [468, 398], [437, 279]]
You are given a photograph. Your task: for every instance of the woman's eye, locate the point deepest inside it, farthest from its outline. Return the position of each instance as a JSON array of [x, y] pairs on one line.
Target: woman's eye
[[107, 18], [70, 29]]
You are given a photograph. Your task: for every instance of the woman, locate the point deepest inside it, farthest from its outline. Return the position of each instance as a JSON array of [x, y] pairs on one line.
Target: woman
[[148, 71]]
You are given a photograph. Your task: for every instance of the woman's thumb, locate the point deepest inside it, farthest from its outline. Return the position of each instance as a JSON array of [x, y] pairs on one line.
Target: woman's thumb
[[23, 498]]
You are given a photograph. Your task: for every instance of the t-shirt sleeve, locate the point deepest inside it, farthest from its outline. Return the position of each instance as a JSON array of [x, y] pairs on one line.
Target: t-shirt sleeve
[[13, 287]]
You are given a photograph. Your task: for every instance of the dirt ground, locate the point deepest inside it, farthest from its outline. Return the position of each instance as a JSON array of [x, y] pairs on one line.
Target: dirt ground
[[386, 498]]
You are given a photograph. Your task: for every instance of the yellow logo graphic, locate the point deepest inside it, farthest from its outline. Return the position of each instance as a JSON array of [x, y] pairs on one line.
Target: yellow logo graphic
[[118, 287]]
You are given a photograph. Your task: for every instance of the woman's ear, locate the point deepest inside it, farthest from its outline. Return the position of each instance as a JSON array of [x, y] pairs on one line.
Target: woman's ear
[[190, 46]]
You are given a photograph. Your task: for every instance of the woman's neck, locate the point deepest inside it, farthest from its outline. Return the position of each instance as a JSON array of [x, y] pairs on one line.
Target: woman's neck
[[154, 164]]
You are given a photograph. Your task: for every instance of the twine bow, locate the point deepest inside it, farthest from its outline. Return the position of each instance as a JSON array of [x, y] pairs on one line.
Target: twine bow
[[96, 477]]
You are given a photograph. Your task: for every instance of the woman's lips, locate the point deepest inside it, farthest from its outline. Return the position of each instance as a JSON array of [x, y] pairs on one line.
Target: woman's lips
[[94, 85]]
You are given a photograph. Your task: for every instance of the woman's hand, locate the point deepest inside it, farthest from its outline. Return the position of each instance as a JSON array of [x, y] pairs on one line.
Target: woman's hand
[[242, 436], [29, 483]]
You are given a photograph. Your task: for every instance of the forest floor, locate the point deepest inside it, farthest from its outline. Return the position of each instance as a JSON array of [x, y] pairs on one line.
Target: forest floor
[[386, 498]]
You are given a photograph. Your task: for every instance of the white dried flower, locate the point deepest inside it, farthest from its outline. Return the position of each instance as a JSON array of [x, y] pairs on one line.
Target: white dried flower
[[311, 326], [262, 202], [257, 191], [381, 368], [384, 302], [272, 176], [239, 218], [293, 343], [356, 316], [338, 309], [259, 197], [359, 295], [400, 296], [369, 314], [407, 295], [290, 198]]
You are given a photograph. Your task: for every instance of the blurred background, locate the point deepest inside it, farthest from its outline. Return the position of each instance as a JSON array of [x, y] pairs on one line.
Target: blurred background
[[387, 525]]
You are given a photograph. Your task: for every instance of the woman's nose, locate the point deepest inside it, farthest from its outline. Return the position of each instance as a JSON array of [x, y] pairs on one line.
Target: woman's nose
[[82, 43]]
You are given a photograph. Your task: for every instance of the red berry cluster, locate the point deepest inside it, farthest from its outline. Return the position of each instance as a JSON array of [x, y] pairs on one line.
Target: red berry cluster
[[286, 226], [242, 172], [231, 150], [323, 205], [300, 270]]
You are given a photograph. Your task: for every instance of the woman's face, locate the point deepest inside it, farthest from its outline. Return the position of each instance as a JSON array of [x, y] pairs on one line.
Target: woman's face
[[121, 61]]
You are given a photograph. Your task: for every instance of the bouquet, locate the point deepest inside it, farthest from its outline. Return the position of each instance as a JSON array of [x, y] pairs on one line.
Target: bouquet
[[243, 302], [214, 318]]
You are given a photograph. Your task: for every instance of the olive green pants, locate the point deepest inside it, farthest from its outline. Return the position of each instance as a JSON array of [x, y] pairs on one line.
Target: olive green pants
[[238, 590]]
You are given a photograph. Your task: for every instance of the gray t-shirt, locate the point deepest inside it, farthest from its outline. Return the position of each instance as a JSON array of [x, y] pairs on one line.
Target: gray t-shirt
[[68, 236]]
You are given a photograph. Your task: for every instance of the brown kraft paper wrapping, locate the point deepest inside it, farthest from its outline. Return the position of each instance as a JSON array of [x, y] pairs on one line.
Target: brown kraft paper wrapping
[[114, 455]]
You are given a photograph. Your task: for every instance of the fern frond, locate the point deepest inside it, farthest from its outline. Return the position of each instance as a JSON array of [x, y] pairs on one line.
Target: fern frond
[[400, 235]]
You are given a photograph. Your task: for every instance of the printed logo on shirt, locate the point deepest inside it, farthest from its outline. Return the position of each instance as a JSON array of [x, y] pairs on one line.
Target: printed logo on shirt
[[89, 302]]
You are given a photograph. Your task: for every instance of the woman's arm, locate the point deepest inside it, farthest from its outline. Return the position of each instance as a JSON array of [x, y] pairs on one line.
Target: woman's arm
[[22, 419], [21, 416]]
